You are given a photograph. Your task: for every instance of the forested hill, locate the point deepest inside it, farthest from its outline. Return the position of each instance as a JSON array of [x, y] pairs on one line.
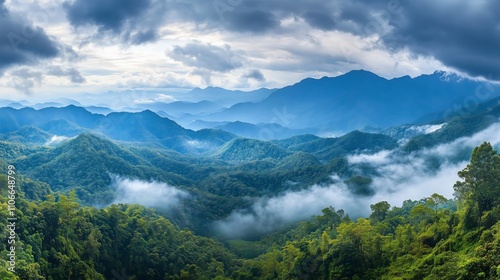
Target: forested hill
[[433, 238]]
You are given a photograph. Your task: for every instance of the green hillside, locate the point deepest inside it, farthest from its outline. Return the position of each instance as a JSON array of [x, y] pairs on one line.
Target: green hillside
[[433, 238], [241, 149]]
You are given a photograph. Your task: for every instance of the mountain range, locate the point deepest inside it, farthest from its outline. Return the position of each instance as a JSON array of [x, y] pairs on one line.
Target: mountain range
[[359, 99], [326, 106], [143, 127]]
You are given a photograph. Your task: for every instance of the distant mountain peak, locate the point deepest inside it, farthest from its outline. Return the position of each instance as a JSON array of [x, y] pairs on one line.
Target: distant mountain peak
[[361, 74]]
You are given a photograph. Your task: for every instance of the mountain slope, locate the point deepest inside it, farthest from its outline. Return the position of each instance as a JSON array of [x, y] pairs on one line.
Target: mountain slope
[[84, 161], [178, 108], [242, 149], [261, 131], [351, 143], [27, 135], [456, 127]]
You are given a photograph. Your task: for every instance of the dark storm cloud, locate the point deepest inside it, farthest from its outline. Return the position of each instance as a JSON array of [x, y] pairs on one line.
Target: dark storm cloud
[[255, 21], [21, 42], [320, 20], [207, 56], [461, 34], [464, 35], [134, 22], [107, 14]]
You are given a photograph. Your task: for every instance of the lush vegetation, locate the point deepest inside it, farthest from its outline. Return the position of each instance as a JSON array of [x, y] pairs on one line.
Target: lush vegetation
[[222, 181], [426, 239], [434, 238]]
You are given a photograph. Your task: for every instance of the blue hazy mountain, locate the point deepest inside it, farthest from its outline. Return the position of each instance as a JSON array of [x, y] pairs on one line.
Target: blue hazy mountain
[[98, 110], [355, 100], [144, 127], [7, 103], [118, 100], [225, 97], [262, 131], [15, 105], [178, 108]]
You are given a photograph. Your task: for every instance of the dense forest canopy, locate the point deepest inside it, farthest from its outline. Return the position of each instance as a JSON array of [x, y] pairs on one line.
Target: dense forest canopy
[[432, 238]]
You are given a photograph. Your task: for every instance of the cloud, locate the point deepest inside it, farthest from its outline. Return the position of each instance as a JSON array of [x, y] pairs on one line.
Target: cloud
[[73, 75], [132, 22], [269, 214], [255, 21], [464, 35], [404, 182], [426, 129], [287, 42], [207, 57], [256, 75], [24, 79], [21, 43], [160, 97], [461, 34], [54, 140], [381, 157], [399, 177], [321, 20], [150, 194], [144, 101]]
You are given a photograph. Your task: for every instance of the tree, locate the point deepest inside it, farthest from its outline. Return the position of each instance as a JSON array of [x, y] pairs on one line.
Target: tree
[[379, 211], [480, 187], [435, 201]]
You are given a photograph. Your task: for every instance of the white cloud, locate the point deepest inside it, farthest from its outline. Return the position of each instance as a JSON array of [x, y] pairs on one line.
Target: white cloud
[[144, 101], [165, 98], [426, 129], [377, 158], [401, 183], [56, 140], [160, 97], [150, 194]]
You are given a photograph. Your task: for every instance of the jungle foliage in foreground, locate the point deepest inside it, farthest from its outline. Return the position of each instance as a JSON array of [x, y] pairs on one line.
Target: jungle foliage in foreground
[[426, 239]]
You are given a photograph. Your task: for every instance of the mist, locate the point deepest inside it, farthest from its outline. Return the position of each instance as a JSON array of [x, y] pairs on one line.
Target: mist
[[54, 140], [399, 177], [150, 194]]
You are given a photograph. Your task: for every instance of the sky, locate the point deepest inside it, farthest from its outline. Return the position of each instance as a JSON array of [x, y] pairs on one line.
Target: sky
[[62, 48]]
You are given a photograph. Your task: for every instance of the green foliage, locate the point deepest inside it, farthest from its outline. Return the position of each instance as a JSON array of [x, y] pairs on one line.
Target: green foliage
[[11, 151], [85, 164], [241, 149], [330, 148], [481, 179], [379, 211], [62, 240]]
